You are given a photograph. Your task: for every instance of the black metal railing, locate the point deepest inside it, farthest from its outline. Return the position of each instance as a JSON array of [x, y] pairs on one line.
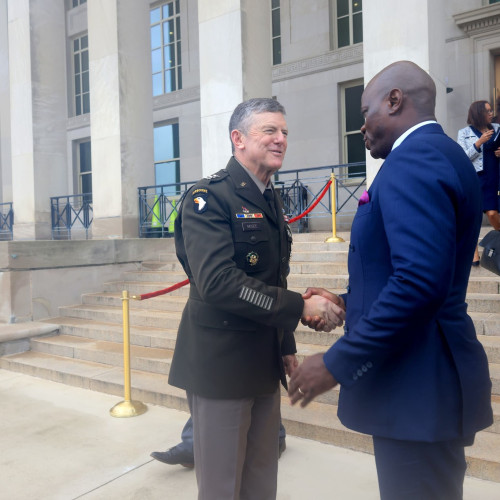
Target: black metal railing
[[158, 208], [71, 214], [298, 189], [6, 221]]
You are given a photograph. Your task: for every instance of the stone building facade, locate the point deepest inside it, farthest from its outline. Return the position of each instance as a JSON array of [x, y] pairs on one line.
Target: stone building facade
[[104, 96]]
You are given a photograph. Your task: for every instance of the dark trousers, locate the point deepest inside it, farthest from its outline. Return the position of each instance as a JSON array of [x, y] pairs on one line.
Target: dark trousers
[[412, 470]]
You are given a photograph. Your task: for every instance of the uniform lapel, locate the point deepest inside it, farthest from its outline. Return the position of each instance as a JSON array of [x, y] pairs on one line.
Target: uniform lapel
[[246, 188]]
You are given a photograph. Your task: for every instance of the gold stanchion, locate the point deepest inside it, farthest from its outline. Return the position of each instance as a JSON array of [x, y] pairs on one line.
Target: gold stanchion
[[334, 238], [127, 408]]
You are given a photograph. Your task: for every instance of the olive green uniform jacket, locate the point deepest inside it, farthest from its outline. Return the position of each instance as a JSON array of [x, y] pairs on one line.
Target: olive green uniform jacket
[[239, 318]]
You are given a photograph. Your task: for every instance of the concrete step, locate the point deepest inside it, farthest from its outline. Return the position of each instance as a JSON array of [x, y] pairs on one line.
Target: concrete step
[[484, 284], [318, 246], [483, 302], [318, 421], [138, 288], [146, 336], [138, 317], [147, 359], [153, 275], [305, 268], [321, 256], [162, 265], [114, 299]]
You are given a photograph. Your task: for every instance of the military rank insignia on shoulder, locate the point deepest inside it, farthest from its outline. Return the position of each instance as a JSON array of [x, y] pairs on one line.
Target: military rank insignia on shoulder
[[200, 200], [221, 174]]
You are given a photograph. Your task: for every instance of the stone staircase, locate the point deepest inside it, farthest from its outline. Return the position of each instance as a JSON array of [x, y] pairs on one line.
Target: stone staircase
[[83, 347]]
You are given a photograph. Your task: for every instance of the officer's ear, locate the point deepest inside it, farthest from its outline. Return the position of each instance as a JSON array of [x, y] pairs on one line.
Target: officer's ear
[[238, 139]]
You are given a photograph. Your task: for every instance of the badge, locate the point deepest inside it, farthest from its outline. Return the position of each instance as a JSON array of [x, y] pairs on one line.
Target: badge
[[250, 216], [252, 258], [243, 184], [245, 210], [200, 197], [200, 204]]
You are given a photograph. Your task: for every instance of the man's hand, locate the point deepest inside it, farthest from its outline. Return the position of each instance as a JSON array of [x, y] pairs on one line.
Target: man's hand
[[318, 322], [309, 380], [290, 362]]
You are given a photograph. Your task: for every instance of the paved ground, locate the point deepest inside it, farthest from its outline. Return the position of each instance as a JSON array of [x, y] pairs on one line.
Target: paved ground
[[59, 442]]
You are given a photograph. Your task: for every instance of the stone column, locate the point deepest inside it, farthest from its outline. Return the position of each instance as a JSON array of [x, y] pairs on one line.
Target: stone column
[[121, 113], [37, 71], [417, 37], [235, 65], [5, 158]]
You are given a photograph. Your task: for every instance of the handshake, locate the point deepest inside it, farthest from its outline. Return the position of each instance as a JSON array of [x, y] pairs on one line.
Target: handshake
[[323, 310]]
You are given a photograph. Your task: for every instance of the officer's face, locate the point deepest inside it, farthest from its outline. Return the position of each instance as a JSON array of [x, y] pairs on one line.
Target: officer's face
[[263, 147]]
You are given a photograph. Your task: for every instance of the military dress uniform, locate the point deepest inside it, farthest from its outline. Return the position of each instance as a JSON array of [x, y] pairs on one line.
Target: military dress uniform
[[239, 319]]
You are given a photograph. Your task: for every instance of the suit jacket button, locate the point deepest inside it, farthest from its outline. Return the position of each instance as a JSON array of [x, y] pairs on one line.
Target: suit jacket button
[[364, 368], [225, 323], [360, 373], [283, 259], [355, 377], [369, 364], [252, 238]]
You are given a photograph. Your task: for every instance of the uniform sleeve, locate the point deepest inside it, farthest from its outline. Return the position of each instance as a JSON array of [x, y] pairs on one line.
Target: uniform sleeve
[[209, 248]]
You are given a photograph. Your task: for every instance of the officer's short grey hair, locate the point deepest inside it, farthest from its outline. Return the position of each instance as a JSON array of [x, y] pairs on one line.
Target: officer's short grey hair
[[240, 119]]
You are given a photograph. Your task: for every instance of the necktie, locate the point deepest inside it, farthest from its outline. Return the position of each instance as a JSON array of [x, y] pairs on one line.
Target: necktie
[[269, 196]]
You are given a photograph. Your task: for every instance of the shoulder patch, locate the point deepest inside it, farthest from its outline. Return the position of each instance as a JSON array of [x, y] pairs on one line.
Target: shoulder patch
[[200, 199]]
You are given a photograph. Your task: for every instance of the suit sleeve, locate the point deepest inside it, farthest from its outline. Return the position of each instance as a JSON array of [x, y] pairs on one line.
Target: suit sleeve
[[420, 280], [209, 248]]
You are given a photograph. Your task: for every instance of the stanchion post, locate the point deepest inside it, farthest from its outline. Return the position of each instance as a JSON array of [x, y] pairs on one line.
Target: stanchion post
[[127, 408], [333, 187]]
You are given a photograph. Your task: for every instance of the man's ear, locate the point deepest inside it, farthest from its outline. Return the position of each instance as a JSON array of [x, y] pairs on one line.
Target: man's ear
[[237, 138], [395, 100]]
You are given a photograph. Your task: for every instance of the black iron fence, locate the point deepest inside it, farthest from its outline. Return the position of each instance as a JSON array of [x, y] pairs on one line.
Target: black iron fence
[[6, 221], [158, 205], [71, 216]]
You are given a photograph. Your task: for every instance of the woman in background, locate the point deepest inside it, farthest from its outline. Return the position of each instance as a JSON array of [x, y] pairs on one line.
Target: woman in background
[[480, 141]]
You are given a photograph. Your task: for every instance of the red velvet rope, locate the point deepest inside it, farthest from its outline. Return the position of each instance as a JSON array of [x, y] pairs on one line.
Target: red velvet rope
[[145, 296], [313, 206]]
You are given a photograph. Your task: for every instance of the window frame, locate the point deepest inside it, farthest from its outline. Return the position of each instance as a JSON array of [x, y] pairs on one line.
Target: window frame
[[176, 43], [276, 38], [344, 132], [78, 97], [174, 159], [350, 16]]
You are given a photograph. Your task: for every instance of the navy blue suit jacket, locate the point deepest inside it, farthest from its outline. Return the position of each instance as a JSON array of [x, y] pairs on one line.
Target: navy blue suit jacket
[[410, 365]]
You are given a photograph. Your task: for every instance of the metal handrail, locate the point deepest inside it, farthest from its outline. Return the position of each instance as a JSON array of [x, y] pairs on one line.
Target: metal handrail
[[6, 221], [71, 213], [299, 188]]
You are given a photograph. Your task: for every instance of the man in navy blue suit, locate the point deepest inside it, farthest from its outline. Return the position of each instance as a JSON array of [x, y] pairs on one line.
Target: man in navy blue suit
[[412, 371]]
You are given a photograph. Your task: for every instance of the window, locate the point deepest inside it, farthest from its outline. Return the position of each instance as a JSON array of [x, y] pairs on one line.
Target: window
[[81, 74], [494, 1], [166, 48], [276, 31], [354, 147], [349, 22], [84, 170], [76, 3], [166, 156]]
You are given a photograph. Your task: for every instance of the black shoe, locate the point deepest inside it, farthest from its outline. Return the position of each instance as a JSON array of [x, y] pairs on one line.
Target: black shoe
[[175, 456], [281, 447], [475, 263]]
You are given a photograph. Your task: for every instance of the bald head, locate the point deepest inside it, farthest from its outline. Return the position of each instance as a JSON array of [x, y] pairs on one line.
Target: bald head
[[419, 89], [396, 99]]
